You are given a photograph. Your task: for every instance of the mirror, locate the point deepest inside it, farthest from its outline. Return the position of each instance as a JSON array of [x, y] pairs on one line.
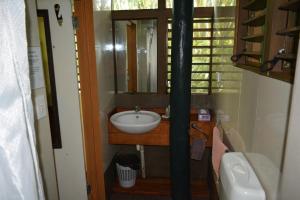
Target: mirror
[[136, 55]]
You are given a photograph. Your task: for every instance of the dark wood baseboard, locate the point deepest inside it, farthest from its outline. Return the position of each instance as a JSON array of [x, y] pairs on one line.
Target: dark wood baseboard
[[110, 176], [161, 187], [211, 181]]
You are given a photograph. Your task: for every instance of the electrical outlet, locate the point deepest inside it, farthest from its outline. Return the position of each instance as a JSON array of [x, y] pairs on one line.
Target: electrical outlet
[[40, 107]]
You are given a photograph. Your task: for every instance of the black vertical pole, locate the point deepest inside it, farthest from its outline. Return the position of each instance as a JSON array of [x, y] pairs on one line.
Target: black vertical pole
[[182, 32]]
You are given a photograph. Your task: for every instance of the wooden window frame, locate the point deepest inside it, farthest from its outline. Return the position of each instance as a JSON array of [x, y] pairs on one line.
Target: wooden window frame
[[162, 14]]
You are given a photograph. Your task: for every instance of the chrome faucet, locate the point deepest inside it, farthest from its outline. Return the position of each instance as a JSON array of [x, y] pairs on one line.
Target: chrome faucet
[[137, 108]]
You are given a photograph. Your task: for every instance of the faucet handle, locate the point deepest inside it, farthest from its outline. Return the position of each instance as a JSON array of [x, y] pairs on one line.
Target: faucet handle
[[137, 108]]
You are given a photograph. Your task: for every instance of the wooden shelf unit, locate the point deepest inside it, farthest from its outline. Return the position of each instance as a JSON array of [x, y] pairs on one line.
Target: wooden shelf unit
[[293, 5], [263, 29], [252, 54], [287, 57], [289, 33], [292, 32], [250, 35], [255, 5], [258, 20], [254, 38]]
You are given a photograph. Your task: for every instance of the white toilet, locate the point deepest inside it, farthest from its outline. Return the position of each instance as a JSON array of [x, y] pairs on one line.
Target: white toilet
[[238, 180]]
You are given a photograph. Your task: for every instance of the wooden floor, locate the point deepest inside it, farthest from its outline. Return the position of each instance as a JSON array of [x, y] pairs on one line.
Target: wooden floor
[[159, 188]]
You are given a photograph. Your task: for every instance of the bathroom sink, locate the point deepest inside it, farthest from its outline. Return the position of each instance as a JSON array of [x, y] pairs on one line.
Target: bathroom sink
[[135, 122]]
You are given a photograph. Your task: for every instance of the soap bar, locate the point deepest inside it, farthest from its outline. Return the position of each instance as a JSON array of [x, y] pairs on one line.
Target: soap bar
[[204, 115]]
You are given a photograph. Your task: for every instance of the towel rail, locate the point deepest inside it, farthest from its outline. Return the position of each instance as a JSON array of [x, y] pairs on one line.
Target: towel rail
[[194, 126]]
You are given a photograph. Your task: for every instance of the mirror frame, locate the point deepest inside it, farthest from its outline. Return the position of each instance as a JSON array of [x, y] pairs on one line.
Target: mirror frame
[[161, 15]]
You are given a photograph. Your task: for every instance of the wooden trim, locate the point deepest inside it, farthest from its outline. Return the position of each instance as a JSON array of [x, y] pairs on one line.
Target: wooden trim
[[283, 76], [134, 14], [89, 96], [211, 56], [163, 14], [131, 57], [161, 4], [162, 34], [114, 56], [52, 109], [161, 187], [160, 135], [203, 12], [200, 12]]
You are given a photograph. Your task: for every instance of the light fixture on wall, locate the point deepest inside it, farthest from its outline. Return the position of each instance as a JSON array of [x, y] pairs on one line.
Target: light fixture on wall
[[58, 14]]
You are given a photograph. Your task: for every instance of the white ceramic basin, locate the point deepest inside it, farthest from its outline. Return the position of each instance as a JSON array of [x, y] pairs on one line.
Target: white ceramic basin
[[135, 122]]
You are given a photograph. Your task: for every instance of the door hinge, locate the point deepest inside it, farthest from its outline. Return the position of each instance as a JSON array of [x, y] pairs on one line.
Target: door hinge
[[75, 22], [88, 189]]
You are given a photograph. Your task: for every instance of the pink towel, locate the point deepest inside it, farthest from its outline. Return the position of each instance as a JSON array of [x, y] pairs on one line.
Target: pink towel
[[218, 149]]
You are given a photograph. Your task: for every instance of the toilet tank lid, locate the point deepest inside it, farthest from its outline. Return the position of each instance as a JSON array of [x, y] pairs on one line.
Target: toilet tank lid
[[238, 179]]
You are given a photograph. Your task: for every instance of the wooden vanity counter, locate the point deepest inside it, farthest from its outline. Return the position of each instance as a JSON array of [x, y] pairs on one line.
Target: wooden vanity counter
[[159, 135]]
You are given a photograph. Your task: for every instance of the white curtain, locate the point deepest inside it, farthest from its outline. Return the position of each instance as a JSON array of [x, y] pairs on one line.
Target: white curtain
[[19, 171]]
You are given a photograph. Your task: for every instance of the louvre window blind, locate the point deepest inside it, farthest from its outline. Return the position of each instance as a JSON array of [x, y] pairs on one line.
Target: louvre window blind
[[213, 40]]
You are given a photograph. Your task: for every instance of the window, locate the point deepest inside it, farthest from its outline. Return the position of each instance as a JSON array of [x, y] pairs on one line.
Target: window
[[213, 40], [100, 5], [206, 3], [201, 54], [134, 4], [223, 42]]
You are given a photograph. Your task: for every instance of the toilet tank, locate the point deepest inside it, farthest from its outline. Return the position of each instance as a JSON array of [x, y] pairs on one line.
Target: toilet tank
[[238, 180]]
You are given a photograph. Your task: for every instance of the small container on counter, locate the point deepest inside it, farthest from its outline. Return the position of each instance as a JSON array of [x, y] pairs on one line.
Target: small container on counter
[[204, 115]]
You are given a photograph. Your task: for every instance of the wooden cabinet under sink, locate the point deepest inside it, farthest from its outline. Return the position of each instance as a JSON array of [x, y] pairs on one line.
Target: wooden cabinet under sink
[[159, 135]]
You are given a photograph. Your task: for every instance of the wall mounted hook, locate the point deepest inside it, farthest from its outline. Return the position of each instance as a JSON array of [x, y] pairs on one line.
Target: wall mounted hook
[[236, 57], [270, 64], [58, 14]]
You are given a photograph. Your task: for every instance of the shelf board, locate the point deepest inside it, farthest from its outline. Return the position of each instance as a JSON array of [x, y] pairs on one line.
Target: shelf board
[[284, 76], [255, 5], [293, 5], [287, 57], [292, 32], [160, 187], [252, 54], [258, 20], [254, 38]]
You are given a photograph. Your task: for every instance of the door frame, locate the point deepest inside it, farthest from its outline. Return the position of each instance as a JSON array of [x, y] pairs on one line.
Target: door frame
[[83, 11], [53, 111]]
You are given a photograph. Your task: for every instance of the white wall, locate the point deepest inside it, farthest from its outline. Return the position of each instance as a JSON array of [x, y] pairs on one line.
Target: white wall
[[266, 145], [42, 125], [105, 73], [260, 128], [70, 159], [290, 180]]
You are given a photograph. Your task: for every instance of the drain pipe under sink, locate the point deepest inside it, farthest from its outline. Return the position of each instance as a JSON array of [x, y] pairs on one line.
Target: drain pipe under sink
[[140, 148]]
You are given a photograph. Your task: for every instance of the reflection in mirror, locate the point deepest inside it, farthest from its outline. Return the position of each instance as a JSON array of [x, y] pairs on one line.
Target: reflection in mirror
[[136, 55]]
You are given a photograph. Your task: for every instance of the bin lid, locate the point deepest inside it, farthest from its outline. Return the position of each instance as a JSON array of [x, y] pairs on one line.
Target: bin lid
[[128, 160]]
